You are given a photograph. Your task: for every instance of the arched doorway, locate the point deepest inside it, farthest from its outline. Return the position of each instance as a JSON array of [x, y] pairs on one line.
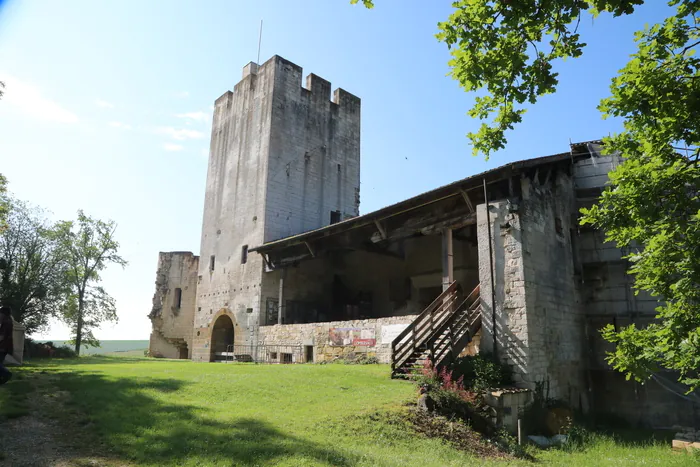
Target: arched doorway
[[221, 338]]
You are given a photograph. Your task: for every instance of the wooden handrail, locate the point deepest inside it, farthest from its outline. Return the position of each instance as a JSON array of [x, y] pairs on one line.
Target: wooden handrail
[[438, 329], [427, 311]]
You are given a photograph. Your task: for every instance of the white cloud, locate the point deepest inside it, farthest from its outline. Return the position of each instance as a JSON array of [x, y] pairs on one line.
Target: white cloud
[[172, 147], [197, 116], [29, 100], [122, 125], [181, 133], [104, 104]]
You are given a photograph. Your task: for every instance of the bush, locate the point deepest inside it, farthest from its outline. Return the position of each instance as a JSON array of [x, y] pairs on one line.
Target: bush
[[449, 397], [482, 371], [35, 349]]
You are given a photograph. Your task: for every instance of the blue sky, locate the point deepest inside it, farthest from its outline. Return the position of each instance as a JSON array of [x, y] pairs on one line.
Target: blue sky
[[108, 108]]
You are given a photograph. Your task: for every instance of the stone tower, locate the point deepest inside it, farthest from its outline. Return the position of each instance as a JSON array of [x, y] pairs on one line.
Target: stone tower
[[284, 159]]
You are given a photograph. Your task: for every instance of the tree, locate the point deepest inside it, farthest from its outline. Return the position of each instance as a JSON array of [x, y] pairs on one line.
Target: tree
[[506, 50], [88, 246], [4, 203], [31, 268]]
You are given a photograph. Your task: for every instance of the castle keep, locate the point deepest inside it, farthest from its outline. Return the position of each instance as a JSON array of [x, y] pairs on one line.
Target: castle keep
[[290, 272]]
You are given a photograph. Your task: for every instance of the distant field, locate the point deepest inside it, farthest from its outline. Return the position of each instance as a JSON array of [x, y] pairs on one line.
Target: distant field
[[109, 347]]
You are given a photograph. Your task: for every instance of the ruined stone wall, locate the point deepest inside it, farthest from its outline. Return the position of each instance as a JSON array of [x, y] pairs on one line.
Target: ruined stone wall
[[260, 131], [318, 336], [172, 325]]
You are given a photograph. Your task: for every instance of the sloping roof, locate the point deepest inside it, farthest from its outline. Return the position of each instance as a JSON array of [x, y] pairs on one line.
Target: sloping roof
[[449, 190]]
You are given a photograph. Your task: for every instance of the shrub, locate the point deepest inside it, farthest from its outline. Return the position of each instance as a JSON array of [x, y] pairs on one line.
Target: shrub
[[35, 349], [482, 371], [448, 394]]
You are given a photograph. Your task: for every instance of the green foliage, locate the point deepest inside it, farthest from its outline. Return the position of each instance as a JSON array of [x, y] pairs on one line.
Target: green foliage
[[89, 247], [652, 208], [4, 202], [31, 267], [35, 349], [579, 438], [482, 371]]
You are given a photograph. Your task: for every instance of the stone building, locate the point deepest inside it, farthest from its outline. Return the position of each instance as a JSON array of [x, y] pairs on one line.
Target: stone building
[[494, 262]]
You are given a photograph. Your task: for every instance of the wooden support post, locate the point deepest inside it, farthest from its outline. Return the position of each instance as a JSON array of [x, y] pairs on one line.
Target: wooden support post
[[381, 229], [467, 200], [447, 260], [280, 299], [311, 250]]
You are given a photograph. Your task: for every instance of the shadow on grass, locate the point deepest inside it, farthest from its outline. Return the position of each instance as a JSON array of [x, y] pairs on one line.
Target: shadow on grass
[[126, 421], [90, 360]]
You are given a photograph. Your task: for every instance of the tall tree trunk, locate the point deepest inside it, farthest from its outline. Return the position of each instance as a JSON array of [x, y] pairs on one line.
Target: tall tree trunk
[[79, 326]]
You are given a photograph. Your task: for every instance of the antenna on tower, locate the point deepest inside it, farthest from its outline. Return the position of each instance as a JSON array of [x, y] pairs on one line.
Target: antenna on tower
[[259, 42]]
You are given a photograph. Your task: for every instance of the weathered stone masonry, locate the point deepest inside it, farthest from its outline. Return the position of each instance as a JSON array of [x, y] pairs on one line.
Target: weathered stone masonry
[[281, 226], [173, 305], [283, 158]]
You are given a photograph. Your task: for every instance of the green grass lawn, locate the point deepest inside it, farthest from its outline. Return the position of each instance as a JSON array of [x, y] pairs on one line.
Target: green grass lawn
[[157, 412]]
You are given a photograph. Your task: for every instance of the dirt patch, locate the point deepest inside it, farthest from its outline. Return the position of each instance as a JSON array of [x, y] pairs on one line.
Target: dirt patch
[[40, 438], [457, 433]]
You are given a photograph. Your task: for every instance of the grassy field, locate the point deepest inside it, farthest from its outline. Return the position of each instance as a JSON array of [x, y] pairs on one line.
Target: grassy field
[[108, 347], [128, 411]]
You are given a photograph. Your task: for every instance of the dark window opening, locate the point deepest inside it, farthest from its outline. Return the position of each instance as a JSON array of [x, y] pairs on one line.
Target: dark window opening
[[557, 226], [335, 217], [212, 262], [177, 301], [309, 353], [273, 355], [244, 254], [286, 358]]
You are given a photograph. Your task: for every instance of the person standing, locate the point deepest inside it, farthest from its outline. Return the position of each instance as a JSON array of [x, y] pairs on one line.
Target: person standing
[[6, 344]]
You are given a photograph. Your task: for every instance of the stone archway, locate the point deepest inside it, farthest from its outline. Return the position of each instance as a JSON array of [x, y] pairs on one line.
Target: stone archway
[[221, 337]]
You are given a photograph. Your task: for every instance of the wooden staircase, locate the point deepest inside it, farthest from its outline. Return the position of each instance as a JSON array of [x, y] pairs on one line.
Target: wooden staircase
[[439, 333]]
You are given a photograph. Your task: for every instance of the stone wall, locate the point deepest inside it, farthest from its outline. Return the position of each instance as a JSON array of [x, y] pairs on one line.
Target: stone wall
[[510, 310], [171, 336], [608, 298], [555, 319], [314, 154], [539, 324], [318, 336]]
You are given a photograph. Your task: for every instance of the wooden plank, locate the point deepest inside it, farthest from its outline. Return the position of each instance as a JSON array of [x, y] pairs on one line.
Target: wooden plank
[[311, 251], [381, 229], [467, 200], [679, 445]]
